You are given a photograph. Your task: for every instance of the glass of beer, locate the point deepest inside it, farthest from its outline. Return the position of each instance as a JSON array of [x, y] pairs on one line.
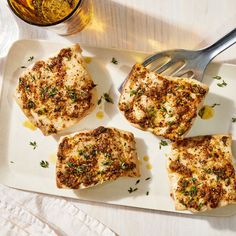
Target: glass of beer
[[65, 17]]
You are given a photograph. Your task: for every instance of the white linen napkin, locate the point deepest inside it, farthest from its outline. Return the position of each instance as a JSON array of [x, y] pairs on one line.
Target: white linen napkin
[[25, 213]]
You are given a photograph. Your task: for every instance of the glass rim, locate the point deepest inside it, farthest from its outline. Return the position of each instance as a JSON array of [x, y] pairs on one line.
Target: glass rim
[[44, 25]]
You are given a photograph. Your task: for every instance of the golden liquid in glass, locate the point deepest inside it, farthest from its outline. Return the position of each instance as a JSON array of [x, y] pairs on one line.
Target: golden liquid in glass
[[74, 13]]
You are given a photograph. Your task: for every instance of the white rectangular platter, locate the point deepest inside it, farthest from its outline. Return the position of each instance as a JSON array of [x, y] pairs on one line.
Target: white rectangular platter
[[20, 163]]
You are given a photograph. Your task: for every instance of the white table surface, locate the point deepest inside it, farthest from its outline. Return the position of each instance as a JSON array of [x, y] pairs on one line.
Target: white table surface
[[153, 25]]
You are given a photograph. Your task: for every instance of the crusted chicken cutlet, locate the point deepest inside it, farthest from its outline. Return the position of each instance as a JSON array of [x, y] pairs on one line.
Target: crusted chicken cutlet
[[57, 92], [89, 158], [163, 105], [201, 173]]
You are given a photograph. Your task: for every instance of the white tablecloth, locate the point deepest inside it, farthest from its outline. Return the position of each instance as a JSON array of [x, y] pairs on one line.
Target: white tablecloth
[[24, 213]]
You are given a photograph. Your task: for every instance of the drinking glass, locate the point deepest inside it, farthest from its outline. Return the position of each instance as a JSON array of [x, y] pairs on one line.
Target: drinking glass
[[65, 17]]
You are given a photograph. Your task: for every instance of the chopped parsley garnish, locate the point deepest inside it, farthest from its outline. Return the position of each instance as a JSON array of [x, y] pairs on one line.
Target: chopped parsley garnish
[[233, 119], [114, 61], [33, 144], [70, 164], [208, 171], [217, 77], [223, 84], [108, 155], [31, 58], [200, 206], [148, 178], [106, 97], [131, 190], [30, 104], [46, 92], [163, 109], [180, 87], [101, 172], [73, 95], [84, 154], [185, 183], [170, 122], [52, 92], [137, 181], [147, 193], [32, 77], [139, 91], [132, 92], [43, 92], [42, 111], [215, 104], [193, 191], [151, 112], [23, 67], [186, 193], [193, 180], [81, 168], [107, 163], [163, 143], [44, 164]]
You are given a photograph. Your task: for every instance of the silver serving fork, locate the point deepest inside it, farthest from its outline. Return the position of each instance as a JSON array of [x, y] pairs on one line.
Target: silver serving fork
[[186, 63]]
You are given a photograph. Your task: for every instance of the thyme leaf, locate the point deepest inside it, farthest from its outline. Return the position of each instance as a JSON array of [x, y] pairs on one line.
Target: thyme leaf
[[217, 77], [215, 104], [33, 144], [163, 143], [31, 58], [131, 190], [114, 61], [108, 98], [223, 84], [44, 164]]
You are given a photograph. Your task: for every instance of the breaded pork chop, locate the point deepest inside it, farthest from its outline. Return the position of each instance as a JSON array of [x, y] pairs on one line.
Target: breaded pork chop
[[89, 158], [163, 105], [57, 92], [201, 173]]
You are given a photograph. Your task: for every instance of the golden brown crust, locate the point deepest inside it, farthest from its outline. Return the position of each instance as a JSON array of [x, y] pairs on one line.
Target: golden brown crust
[[58, 92], [92, 157], [163, 105], [201, 173]]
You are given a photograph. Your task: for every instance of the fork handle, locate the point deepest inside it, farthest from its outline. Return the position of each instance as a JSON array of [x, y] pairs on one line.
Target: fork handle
[[222, 44]]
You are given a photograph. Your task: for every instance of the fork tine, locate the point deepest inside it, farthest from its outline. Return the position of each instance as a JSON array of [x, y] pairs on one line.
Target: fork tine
[[185, 73], [173, 69], [153, 58], [158, 63], [166, 66]]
